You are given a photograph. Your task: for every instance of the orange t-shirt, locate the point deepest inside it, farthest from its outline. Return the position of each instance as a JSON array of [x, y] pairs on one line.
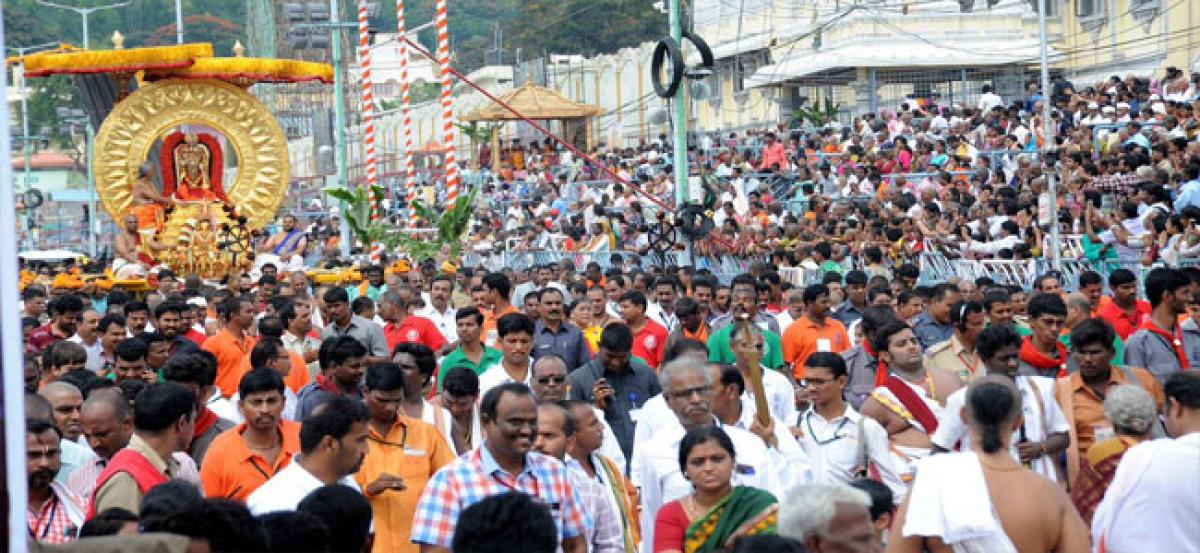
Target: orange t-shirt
[[804, 337], [232, 471], [296, 378], [229, 350], [490, 337]]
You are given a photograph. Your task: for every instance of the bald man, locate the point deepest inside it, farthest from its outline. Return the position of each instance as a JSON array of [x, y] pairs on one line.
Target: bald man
[[65, 401], [73, 454]]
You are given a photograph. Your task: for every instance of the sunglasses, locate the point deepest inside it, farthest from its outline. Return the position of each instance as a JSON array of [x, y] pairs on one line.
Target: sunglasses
[[544, 380]]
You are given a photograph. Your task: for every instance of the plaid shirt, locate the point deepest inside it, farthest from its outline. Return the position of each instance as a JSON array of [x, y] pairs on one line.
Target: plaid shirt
[[1116, 183], [476, 475], [53, 523]]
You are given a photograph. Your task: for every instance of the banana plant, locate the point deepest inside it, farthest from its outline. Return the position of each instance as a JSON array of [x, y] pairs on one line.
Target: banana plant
[[818, 115], [478, 133], [451, 226], [357, 208]]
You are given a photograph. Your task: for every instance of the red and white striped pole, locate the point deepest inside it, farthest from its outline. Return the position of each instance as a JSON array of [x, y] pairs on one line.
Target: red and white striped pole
[[443, 57], [368, 105], [410, 173]]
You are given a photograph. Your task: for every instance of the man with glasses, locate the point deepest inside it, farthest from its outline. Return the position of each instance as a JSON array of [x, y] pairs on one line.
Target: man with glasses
[[843, 444], [550, 384], [688, 388], [1041, 352]]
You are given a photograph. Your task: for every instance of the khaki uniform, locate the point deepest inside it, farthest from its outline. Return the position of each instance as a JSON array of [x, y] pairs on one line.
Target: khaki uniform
[[953, 357]]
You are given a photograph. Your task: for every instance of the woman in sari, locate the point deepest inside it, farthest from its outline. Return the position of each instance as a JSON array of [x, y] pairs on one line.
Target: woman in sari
[[1131, 411], [716, 513]]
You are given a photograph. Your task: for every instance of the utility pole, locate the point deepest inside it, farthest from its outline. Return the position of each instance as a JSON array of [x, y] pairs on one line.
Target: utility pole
[[341, 155], [24, 91], [1049, 168], [680, 127], [179, 21], [85, 12], [93, 221]]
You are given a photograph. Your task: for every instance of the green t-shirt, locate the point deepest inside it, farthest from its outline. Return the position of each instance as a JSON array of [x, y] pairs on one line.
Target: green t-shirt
[[719, 350], [456, 358]]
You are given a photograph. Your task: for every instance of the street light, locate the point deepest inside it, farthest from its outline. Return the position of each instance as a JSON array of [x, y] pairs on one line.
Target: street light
[[71, 119], [85, 12], [25, 138]]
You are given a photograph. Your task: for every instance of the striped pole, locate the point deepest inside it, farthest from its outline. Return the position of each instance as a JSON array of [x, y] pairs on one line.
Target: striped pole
[[368, 105], [443, 57], [410, 173]]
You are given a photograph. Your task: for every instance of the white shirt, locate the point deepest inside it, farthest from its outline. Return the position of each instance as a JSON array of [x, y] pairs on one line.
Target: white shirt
[[781, 395], [496, 376], [1151, 503], [285, 490], [656, 313], [988, 101], [1041, 412], [661, 481], [95, 353], [443, 320], [834, 447], [788, 447]]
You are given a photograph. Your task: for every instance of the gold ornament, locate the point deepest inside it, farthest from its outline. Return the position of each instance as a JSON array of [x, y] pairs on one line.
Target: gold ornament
[[136, 123]]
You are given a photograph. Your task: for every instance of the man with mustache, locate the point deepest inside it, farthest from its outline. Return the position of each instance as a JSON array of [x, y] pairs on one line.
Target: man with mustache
[[333, 443], [64, 312], [241, 460], [55, 514], [503, 464]]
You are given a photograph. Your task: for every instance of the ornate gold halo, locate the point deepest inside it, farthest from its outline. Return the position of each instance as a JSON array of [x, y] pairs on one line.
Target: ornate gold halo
[[127, 134]]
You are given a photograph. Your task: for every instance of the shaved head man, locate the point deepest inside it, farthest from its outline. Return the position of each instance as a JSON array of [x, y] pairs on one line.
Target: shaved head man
[[66, 400]]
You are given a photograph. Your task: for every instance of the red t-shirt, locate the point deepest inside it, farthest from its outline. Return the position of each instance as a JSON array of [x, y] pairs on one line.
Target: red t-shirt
[[195, 336], [42, 337], [648, 343], [413, 329], [1124, 323]]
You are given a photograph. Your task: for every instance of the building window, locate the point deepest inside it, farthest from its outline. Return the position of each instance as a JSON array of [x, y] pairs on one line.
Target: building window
[[1052, 9], [1088, 8], [739, 75]]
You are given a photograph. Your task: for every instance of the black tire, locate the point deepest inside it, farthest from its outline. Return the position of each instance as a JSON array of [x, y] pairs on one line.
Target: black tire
[[666, 47], [706, 54]]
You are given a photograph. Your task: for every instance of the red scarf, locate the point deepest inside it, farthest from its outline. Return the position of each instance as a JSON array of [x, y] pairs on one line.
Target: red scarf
[[881, 373], [1038, 360], [204, 421], [911, 401], [1175, 340]]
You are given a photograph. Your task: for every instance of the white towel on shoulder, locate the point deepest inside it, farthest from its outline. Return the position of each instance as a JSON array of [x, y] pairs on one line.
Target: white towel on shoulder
[[949, 499]]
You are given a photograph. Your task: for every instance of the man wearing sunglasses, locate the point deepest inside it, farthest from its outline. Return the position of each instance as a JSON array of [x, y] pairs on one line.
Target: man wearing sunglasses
[[550, 384]]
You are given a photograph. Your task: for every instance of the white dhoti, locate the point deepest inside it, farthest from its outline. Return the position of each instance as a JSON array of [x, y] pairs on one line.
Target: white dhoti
[[949, 500], [294, 263]]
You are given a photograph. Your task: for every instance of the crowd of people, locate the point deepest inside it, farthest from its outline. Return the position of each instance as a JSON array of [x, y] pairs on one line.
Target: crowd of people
[[640, 407]]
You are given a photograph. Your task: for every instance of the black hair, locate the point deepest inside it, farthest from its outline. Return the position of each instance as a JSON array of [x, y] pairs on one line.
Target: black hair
[[131, 349], [426, 360], [260, 379], [832, 361], [107, 523], [130, 388], [333, 417], [961, 311], [344, 508], [62, 353], [149, 338], [270, 326], [287, 314], [170, 307], [991, 404], [162, 502], [384, 377], [363, 303], [940, 291], [700, 435], [1121, 276], [189, 368], [879, 340], [289, 531], [93, 384], [487, 406], [882, 498], [506, 522], [1184, 388], [1045, 304], [160, 405], [814, 291], [461, 382], [69, 303], [730, 375], [994, 296], [135, 306], [568, 420], [681, 347], [264, 352], [1163, 280], [343, 348], [513, 323], [1088, 278], [856, 277], [499, 283], [547, 290], [336, 294], [634, 297], [995, 337], [225, 524], [37, 427], [469, 312], [616, 337], [109, 320]]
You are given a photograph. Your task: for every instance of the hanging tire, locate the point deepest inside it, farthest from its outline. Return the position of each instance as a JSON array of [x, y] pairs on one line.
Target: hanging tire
[[666, 47]]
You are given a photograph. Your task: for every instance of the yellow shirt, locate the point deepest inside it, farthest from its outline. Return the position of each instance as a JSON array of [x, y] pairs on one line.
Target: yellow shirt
[[412, 450]]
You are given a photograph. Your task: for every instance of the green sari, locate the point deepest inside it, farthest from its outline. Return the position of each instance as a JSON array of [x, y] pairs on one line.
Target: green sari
[[745, 511]]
